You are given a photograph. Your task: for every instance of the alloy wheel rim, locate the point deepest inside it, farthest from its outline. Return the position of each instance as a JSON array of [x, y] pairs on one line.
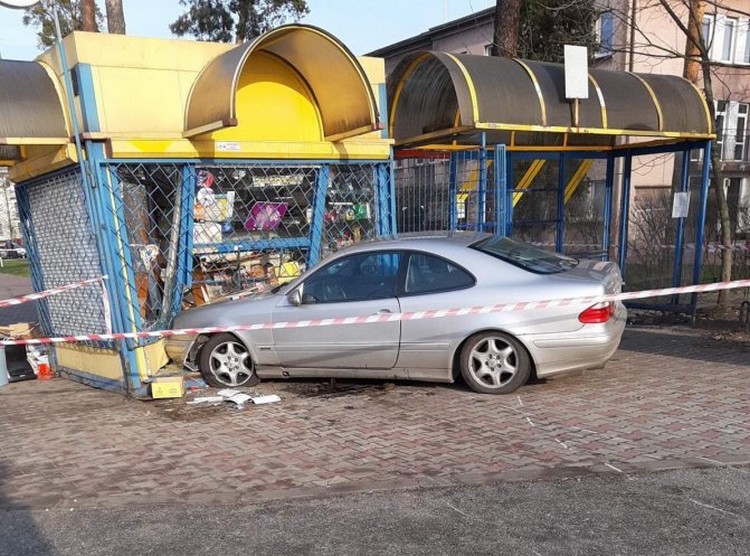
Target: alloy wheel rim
[[493, 362], [229, 363]]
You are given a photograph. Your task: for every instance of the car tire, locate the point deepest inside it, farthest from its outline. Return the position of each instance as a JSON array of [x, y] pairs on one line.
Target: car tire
[[225, 362], [494, 363]]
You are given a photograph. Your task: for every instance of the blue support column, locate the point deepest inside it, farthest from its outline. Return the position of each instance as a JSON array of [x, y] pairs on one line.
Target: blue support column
[[392, 192], [384, 196], [680, 232], [607, 224], [501, 195], [510, 186], [318, 215], [624, 212], [561, 174], [97, 191], [453, 192], [184, 274], [705, 181], [482, 186]]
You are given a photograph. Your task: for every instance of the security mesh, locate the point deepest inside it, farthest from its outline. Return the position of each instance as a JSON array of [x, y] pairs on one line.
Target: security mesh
[[423, 193], [534, 197], [61, 235], [253, 225], [143, 208], [351, 206], [652, 255], [425, 183]]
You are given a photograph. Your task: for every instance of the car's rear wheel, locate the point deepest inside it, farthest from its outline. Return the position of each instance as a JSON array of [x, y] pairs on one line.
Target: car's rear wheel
[[225, 362], [494, 363]]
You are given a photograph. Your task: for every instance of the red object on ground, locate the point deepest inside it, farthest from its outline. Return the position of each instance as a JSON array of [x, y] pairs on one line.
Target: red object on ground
[[45, 373]]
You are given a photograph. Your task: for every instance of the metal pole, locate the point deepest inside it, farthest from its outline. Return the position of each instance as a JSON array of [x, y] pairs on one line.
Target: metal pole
[[701, 222], [624, 210], [608, 206], [680, 232], [560, 225], [482, 189]]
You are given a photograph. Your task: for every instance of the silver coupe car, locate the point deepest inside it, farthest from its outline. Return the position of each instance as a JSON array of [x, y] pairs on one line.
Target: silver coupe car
[[495, 352]]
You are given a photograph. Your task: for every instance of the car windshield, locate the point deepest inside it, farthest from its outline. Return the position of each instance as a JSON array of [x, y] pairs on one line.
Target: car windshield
[[525, 256]]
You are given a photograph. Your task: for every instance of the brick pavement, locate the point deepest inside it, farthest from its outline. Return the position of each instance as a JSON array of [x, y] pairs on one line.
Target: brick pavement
[[668, 399]]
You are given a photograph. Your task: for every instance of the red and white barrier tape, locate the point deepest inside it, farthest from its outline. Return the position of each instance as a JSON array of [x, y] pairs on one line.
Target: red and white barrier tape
[[389, 317], [47, 293]]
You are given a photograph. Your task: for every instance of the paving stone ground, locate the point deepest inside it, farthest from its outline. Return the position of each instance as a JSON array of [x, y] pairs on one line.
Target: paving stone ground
[[669, 398]]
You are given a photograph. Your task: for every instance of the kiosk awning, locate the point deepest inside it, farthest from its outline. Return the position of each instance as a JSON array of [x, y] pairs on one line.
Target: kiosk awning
[[345, 100], [440, 98], [31, 110]]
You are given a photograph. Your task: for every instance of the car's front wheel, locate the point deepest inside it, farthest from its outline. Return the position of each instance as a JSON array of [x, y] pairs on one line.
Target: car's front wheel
[[494, 363], [226, 362]]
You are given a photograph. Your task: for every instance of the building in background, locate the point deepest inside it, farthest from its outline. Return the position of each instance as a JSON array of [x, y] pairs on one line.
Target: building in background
[[10, 228]]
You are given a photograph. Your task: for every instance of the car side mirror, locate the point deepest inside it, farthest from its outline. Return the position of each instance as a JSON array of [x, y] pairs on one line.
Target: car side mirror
[[295, 298]]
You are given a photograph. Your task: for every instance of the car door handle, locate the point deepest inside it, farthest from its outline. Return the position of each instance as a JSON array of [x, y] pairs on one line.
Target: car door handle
[[381, 312]]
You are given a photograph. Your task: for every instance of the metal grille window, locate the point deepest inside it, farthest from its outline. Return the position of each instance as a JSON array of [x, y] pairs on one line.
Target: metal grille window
[[241, 226], [351, 206], [143, 209], [59, 231]]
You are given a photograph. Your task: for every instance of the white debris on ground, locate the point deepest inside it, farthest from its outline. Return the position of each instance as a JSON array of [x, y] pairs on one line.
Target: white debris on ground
[[237, 397]]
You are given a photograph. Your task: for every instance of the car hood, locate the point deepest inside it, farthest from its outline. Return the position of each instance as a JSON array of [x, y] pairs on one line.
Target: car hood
[[228, 312]]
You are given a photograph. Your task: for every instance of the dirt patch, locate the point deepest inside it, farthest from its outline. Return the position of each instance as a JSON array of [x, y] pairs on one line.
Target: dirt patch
[[335, 389]]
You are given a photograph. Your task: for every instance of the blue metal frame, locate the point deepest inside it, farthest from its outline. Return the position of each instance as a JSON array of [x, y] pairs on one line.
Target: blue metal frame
[[610, 178], [624, 212], [482, 185], [561, 175], [318, 211], [680, 232], [453, 192], [187, 223], [705, 181], [109, 220], [501, 194]]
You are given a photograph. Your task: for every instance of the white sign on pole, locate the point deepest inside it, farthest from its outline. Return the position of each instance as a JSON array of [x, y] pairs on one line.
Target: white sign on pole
[[18, 4], [681, 204], [576, 71]]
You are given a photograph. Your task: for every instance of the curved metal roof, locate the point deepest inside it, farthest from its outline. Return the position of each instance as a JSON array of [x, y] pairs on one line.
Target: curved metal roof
[[333, 74], [439, 98], [31, 110]]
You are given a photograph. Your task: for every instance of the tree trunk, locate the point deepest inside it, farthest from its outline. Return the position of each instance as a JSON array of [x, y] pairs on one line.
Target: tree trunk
[[115, 17], [507, 26], [718, 182], [88, 16], [693, 56]]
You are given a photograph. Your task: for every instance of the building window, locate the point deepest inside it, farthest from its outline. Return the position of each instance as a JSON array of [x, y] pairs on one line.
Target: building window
[[746, 54], [730, 37], [605, 33], [740, 132], [707, 31], [721, 115], [731, 129]]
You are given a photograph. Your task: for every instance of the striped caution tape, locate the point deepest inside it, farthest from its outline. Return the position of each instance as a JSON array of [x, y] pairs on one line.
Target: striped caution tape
[[389, 317], [50, 292]]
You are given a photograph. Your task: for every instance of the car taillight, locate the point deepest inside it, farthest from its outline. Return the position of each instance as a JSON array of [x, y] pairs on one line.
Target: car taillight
[[597, 314]]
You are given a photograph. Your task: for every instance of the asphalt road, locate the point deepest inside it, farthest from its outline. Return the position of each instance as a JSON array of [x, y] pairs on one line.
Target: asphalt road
[[685, 512]]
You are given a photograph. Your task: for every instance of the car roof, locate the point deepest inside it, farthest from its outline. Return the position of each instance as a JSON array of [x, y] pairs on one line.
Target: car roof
[[419, 240]]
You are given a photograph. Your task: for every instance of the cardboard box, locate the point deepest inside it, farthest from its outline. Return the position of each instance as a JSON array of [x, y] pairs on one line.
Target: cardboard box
[[18, 330], [167, 387]]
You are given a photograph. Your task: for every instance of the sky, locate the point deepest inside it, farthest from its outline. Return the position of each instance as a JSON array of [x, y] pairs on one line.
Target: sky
[[363, 25]]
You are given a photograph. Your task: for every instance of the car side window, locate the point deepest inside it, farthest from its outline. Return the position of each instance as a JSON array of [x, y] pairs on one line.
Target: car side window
[[359, 277], [428, 273]]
